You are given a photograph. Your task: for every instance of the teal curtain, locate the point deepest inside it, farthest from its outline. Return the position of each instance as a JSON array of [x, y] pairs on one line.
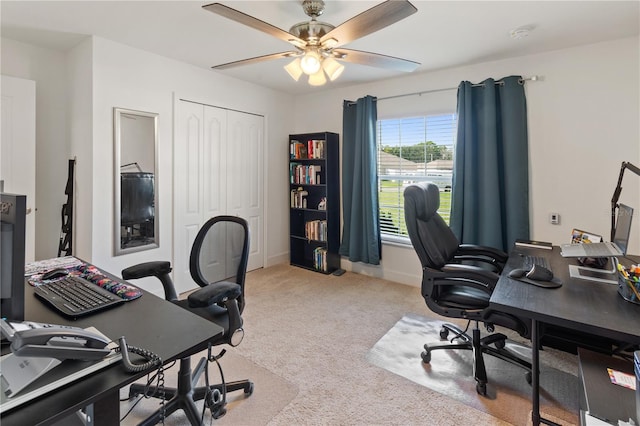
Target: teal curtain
[[490, 194], [361, 227]]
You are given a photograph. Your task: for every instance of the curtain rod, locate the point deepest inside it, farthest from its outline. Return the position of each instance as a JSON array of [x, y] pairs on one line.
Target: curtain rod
[[500, 82]]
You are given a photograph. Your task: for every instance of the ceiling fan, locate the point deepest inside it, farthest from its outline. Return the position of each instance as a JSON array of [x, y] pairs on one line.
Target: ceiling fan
[[318, 44]]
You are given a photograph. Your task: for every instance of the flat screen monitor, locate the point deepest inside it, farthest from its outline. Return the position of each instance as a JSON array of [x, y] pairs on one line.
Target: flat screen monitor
[[13, 210], [623, 227]]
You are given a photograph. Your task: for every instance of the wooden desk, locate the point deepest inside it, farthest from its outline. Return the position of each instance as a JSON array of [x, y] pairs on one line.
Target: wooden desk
[[585, 306], [149, 322]]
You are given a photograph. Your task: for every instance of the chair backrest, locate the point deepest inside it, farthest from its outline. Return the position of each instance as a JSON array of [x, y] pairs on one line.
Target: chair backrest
[[431, 237], [220, 252]]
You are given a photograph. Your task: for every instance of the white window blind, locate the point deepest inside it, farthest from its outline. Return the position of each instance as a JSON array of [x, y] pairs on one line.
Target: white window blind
[[413, 149]]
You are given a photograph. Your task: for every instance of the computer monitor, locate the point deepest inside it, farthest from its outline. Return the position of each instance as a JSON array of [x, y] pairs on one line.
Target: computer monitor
[[623, 227], [13, 211]]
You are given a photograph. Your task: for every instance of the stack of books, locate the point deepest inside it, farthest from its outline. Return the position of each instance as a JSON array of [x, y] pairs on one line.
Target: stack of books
[[305, 175], [312, 149], [320, 259], [316, 230]]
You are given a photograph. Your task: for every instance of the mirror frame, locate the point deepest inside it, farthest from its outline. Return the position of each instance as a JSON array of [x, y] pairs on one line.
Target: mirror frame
[[118, 114]]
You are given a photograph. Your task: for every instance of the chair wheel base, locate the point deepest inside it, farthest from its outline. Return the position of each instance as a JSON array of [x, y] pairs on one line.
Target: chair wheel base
[[426, 357]]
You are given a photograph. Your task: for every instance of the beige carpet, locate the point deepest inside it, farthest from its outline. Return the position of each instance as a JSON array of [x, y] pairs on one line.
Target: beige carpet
[[450, 373], [314, 332]]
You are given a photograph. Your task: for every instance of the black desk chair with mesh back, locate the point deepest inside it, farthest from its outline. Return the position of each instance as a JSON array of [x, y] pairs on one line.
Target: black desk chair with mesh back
[[457, 282], [218, 264]]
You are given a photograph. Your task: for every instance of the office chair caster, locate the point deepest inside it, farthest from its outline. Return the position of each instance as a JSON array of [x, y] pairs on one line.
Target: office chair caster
[[215, 403], [426, 356], [444, 333], [481, 388]]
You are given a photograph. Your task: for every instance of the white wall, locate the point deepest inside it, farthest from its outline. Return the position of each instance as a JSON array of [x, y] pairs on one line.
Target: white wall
[[130, 78], [80, 124], [76, 92], [583, 120], [48, 68]]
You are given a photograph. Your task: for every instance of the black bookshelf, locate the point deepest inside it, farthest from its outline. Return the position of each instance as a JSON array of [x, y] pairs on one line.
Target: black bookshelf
[[314, 218]]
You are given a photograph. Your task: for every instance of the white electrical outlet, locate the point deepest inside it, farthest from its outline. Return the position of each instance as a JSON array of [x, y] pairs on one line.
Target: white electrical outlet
[[554, 218]]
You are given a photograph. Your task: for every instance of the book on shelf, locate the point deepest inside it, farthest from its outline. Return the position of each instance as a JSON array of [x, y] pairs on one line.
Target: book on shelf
[[298, 198], [305, 174], [312, 149], [316, 148], [534, 244], [320, 259], [297, 150], [316, 230]]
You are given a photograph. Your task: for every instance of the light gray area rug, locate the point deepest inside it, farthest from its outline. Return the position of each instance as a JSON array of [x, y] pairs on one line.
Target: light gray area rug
[[450, 373], [270, 395]]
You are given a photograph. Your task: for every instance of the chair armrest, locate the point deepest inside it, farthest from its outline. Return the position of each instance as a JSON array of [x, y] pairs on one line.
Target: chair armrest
[[476, 250], [214, 293], [148, 269], [158, 269], [473, 276]]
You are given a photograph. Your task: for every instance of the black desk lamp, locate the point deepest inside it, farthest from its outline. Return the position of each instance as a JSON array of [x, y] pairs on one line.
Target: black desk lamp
[[617, 191]]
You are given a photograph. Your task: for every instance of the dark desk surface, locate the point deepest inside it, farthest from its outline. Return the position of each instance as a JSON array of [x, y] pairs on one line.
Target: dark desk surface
[[583, 305], [148, 322]]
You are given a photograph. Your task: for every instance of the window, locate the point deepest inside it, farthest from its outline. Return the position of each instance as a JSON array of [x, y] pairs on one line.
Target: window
[[410, 150]]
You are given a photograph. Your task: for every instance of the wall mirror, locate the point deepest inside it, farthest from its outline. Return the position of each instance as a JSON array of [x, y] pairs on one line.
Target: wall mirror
[[136, 198]]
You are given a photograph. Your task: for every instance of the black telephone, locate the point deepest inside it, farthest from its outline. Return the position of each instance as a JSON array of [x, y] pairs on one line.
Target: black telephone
[[46, 346], [33, 339]]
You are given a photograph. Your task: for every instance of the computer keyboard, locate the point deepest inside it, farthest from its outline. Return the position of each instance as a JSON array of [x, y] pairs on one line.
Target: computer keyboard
[[528, 261], [75, 297]]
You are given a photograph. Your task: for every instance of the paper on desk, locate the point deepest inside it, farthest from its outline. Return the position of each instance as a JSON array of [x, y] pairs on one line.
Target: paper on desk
[[622, 379]]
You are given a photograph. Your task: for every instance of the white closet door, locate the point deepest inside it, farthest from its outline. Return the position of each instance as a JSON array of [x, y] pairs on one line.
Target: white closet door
[[18, 148], [199, 180], [214, 184], [218, 167], [245, 185]]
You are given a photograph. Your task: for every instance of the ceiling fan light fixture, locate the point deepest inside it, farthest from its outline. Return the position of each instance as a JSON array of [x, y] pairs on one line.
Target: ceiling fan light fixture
[[333, 68], [294, 69], [310, 62], [317, 79]]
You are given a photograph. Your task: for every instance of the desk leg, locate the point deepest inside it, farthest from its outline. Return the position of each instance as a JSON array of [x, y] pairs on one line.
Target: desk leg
[[535, 374], [536, 419], [106, 411]]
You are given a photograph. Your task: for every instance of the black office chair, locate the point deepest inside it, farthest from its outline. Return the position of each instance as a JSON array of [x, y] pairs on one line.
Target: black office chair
[[457, 282], [218, 264]]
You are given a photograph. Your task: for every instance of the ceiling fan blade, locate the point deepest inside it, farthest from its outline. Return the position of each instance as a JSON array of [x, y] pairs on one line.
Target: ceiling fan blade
[[255, 59], [369, 21], [375, 60], [250, 21]]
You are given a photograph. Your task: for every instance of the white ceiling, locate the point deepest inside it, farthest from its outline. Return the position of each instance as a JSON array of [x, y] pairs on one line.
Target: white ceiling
[[441, 34]]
